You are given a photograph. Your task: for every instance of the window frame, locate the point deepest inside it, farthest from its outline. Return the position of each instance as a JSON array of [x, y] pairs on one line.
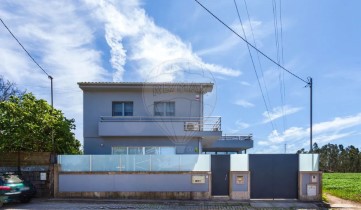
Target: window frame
[[164, 112], [123, 104]]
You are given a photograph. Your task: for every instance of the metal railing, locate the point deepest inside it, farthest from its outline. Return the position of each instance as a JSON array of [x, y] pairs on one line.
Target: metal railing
[[212, 123], [236, 138]]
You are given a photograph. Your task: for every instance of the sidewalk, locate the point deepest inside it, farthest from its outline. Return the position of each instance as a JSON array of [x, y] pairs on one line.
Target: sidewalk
[[193, 204]]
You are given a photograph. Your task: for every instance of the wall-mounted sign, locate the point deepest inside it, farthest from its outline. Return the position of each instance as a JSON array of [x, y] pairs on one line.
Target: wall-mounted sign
[[43, 176], [311, 190], [197, 179]]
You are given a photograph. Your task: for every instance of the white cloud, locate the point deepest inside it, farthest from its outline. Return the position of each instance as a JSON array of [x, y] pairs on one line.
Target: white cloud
[[150, 46], [57, 34], [242, 125], [244, 103], [244, 83], [260, 30], [279, 112], [323, 132], [338, 123]]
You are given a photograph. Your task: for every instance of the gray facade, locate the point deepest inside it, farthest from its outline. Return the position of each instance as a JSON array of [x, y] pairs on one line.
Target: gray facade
[[131, 183], [182, 125]]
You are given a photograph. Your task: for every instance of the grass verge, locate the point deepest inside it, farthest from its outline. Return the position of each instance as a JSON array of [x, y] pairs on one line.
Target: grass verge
[[343, 185]]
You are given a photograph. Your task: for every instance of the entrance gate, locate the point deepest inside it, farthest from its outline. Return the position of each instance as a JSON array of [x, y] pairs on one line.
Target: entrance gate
[[273, 176], [220, 166]]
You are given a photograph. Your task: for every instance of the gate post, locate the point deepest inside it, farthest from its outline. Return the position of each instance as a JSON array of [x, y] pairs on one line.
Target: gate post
[[310, 186], [240, 185]]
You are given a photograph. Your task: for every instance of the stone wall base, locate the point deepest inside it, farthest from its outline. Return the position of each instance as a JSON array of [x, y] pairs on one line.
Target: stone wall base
[[138, 195], [240, 195]]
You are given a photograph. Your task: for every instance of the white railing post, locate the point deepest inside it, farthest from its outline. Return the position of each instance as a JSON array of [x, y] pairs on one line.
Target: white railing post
[[150, 162], [120, 162], [90, 163]]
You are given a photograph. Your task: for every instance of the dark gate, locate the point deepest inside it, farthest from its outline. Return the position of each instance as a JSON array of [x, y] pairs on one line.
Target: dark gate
[[220, 166], [274, 176]]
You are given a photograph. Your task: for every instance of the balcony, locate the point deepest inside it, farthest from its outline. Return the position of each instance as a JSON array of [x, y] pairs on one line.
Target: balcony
[[230, 144], [205, 127]]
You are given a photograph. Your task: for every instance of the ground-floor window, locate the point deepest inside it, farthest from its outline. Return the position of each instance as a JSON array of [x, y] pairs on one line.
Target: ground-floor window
[[219, 153], [143, 150]]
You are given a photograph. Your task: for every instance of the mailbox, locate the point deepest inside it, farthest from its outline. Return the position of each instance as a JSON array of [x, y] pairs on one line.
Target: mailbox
[[198, 179], [314, 178]]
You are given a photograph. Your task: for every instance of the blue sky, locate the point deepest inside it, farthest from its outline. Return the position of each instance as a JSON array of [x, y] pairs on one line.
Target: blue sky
[[94, 40]]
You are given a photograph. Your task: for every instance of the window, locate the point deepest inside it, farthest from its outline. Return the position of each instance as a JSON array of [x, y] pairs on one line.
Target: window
[[122, 109], [143, 150], [135, 151], [164, 108], [151, 150], [167, 150], [119, 150]]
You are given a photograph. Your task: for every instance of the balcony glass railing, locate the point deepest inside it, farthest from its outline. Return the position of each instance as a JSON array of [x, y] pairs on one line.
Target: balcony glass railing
[[190, 123]]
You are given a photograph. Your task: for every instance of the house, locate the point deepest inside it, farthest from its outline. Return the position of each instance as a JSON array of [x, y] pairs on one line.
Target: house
[[152, 118]]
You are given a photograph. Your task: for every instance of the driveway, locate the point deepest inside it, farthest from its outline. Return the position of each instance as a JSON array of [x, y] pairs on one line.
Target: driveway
[[158, 204]]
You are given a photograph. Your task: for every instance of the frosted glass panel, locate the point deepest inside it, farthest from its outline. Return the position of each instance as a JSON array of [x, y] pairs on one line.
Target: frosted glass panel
[[239, 162], [75, 162], [308, 162], [105, 162], [203, 163], [135, 162], [165, 163]]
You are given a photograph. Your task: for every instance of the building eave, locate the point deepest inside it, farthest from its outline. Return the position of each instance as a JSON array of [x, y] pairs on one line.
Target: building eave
[[101, 86]]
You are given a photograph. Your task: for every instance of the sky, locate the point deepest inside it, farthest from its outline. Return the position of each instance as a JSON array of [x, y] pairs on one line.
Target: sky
[[139, 40]]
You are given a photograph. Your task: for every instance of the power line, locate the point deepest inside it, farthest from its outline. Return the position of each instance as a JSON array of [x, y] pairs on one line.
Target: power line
[[279, 60], [258, 57], [251, 44], [25, 49], [282, 61], [254, 67]]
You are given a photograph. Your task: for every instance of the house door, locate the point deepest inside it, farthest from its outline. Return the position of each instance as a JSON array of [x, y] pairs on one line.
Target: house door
[[220, 166]]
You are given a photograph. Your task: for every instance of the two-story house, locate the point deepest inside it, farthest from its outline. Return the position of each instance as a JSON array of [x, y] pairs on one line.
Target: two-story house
[[151, 118]]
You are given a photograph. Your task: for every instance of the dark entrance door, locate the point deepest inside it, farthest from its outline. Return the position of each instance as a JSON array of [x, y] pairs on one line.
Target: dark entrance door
[[220, 166], [274, 176]]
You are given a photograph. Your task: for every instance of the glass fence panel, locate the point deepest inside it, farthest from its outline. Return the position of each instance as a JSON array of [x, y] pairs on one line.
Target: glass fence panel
[[308, 162], [75, 162], [165, 163], [141, 162], [105, 162], [135, 162], [187, 162], [239, 162]]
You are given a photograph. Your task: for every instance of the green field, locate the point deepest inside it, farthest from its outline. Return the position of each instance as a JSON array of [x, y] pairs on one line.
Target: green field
[[343, 185]]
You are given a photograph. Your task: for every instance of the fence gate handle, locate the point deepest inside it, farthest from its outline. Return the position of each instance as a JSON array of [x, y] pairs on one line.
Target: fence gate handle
[[225, 178]]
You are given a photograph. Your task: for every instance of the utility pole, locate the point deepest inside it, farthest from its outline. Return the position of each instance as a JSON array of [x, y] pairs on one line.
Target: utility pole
[[311, 114], [285, 148], [52, 112]]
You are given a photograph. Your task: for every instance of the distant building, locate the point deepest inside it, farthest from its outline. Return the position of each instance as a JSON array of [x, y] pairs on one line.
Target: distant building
[[152, 118]]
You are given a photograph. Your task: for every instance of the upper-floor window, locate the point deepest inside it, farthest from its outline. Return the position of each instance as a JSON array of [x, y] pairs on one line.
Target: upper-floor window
[[164, 108], [122, 108]]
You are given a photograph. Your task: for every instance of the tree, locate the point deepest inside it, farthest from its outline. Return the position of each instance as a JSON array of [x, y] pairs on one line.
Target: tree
[[337, 158], [8, 89], [27, 124]]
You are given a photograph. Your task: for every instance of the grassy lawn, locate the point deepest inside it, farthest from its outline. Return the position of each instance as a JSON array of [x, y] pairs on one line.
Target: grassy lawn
[[343, 185]]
